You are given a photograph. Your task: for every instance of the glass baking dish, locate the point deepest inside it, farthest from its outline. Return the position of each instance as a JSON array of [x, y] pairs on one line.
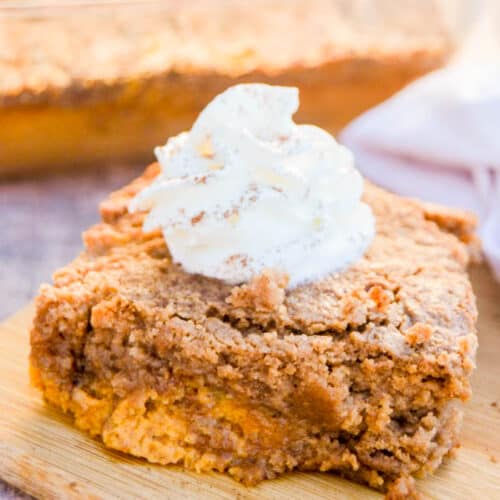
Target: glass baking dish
[[94, 82]]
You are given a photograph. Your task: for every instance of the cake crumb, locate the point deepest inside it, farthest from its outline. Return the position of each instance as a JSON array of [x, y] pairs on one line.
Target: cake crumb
[[419, 333], [380, 297], [265, 292], [403, 488], [464, 345], [493, 459], [453, 451]]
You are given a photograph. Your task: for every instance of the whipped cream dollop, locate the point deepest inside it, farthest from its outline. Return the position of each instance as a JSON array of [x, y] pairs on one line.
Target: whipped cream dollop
[[248, 189]]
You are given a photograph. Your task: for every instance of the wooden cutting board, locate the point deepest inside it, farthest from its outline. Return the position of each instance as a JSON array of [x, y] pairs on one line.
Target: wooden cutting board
[[42, 454]]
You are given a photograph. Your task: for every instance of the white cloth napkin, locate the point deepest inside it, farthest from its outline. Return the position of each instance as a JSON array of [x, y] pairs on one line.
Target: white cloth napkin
[[439, 138]]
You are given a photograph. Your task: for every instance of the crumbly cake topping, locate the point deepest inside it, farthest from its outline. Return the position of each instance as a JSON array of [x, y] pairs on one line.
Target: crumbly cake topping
[[411, 279], [38, 46]]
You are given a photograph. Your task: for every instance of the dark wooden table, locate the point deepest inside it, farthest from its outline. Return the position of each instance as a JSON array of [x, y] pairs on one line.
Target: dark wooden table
[[42, 220]]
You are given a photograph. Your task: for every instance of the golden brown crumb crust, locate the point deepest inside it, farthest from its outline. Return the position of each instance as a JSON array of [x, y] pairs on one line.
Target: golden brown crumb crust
[[361, 373]]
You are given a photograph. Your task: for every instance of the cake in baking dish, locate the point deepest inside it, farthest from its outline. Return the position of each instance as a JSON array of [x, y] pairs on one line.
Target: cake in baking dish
[[90, 84]]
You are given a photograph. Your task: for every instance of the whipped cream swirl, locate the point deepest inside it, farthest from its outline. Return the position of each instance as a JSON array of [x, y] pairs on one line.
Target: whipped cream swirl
[[248, 189]]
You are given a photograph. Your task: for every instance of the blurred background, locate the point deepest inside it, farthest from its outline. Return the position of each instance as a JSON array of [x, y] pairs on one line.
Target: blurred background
[[89, 82], [89, 87]]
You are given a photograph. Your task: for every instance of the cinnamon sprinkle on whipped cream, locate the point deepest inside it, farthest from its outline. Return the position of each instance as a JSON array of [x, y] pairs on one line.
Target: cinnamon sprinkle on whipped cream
[[248, 189]]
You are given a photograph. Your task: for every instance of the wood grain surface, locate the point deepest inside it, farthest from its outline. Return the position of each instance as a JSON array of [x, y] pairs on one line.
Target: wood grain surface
[[41, 453]]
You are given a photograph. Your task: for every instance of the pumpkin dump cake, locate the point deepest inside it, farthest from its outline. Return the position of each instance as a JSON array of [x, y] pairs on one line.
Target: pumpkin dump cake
[[89, 83], [360, 371]]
